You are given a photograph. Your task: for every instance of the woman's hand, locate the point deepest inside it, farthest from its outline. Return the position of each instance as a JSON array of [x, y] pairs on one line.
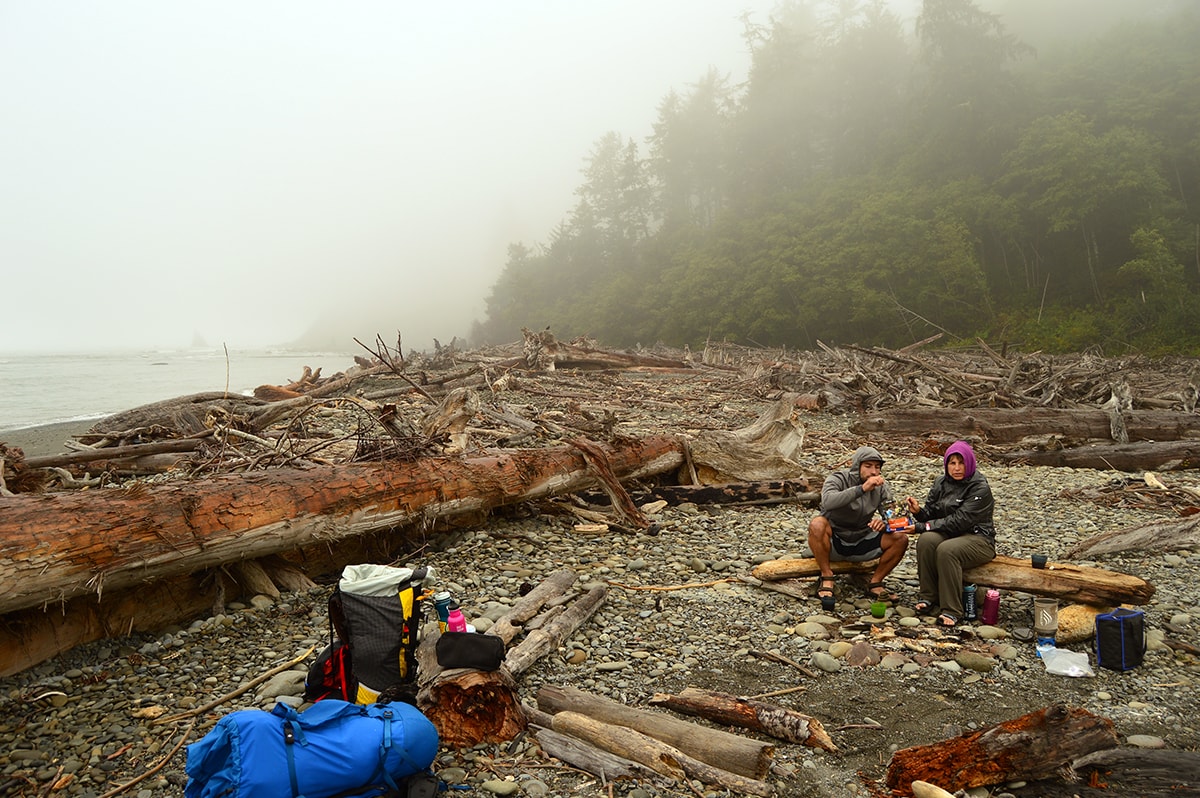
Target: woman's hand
[[913, 505]]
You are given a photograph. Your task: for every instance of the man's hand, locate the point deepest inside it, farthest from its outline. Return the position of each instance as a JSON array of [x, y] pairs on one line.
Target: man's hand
[[871, 483], [876, 524]]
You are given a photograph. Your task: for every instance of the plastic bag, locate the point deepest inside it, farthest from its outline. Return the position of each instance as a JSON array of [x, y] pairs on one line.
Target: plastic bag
[[1061, 662]]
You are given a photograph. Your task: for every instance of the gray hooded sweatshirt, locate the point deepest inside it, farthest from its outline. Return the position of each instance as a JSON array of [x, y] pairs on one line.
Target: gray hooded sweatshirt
[[848, 507]]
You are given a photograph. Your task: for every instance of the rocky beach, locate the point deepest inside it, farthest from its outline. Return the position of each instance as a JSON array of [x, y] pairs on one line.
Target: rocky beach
[[681, 610]]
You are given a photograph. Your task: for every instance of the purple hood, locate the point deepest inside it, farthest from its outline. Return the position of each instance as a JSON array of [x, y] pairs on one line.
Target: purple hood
[[964, 450]]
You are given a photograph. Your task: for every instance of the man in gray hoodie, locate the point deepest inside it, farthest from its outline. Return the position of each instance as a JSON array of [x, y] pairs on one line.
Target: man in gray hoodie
[[852, 526]]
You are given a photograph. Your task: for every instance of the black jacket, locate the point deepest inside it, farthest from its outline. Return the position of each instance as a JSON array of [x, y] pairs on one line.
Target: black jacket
[[958, 508]]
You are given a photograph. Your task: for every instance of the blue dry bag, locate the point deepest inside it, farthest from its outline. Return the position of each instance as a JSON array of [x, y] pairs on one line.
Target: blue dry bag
[[332, 748]]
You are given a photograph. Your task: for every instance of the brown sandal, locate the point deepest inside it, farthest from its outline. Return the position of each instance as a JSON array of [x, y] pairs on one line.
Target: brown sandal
[[883, 595], [828, 602]]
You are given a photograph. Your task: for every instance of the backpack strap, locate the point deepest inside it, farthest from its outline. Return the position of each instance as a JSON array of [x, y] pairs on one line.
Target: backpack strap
[[289, 745]]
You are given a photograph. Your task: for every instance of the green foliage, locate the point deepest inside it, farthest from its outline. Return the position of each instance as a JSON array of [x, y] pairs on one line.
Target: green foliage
[[864, 187]]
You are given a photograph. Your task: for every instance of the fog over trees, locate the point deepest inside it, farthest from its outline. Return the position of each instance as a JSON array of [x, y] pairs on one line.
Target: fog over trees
[[1024, 171]]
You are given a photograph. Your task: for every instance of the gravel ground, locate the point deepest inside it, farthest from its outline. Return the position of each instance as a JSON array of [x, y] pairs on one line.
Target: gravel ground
[[83, 724]]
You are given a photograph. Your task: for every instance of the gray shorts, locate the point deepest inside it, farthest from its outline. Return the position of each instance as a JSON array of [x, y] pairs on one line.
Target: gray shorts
[[869, 548]]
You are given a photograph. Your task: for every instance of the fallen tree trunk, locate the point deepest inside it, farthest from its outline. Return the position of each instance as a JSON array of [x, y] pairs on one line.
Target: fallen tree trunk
[[741, 755], [1028, 748], [999, 426], [144, 533], [654, 753], [176, 446], [1060, 580], [766, 491], [1147, 456], [747, 713], [766, 449], [1155, 536], [587, 757], [34, 635]]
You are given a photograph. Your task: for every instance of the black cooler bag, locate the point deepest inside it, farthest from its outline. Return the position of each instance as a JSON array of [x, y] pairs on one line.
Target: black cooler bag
[[1120, 639]]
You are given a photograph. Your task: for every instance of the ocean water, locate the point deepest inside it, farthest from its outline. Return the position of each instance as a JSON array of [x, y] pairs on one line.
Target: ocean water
[[40, 389]]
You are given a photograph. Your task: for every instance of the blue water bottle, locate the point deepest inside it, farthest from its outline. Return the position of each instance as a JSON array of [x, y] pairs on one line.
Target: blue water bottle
[[441, 603], [969, 612]]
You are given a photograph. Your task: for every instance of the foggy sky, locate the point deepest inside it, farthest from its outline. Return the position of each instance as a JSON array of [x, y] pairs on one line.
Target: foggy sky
[[237, 170]]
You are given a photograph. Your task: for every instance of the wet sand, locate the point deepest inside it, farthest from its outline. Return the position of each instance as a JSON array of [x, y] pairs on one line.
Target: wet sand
[[46, 439]]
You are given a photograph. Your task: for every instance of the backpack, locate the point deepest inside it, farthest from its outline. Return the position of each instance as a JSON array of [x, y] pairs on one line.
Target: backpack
[[333, 748], [375, 613], [332, 675]]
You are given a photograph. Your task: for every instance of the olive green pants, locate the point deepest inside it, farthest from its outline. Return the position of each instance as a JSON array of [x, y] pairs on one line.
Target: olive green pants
[[940, 563]]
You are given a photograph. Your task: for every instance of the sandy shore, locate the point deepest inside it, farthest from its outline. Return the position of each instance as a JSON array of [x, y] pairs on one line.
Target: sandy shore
[[44, 440]]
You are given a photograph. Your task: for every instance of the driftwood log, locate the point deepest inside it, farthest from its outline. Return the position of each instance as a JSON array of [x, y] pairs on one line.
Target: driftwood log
[[1000, 426], [1028, 748], [581, 754], [143, 533], [1146, 456], [741, 755], [655, 754], [1155, 536], [767, 491], [748, 713], [1076, 583], [769, 448]]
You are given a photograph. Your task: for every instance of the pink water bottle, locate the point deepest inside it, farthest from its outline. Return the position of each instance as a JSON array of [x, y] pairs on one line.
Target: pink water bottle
[[456, 622], [991, 606]]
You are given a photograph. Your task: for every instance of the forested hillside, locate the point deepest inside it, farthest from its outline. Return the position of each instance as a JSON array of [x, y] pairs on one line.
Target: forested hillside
[[871, 183]]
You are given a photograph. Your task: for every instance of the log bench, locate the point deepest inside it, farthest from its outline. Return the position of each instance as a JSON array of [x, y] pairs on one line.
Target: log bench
[[1065, 581]]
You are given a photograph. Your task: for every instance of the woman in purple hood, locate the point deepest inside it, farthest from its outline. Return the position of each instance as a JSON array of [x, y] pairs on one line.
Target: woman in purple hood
[[956, 532]]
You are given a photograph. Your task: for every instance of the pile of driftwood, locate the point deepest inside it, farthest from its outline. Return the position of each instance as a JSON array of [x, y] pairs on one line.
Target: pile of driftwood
[[210, 496]]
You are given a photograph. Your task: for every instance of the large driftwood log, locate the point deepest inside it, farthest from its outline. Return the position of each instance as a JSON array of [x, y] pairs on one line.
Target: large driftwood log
[[748, 713], [766, 449], [764, 491], [544, 351], [579, 754], [34, 635], [1076, 583], [133, 451], [1146, 456], [1146, 773], [998, 426], [741, 755], [654, 753], [583, 755], [1031, 747], [1155, 536], [145, 533]]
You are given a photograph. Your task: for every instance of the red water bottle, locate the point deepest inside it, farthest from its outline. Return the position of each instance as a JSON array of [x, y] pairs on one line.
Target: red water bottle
[[991, 606], [456, 622]]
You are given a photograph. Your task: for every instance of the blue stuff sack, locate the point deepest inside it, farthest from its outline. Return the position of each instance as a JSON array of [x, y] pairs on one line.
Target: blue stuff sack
[[332, 748]]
